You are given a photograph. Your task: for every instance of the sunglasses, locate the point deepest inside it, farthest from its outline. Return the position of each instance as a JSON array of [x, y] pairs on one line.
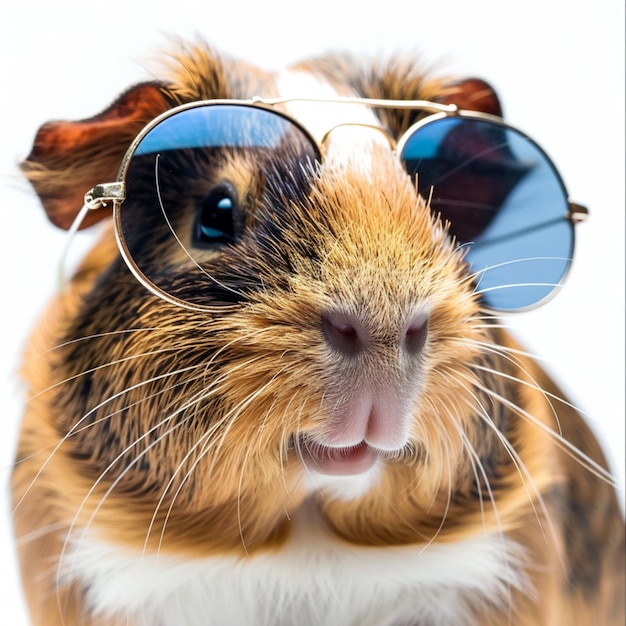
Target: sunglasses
[[497, 190]]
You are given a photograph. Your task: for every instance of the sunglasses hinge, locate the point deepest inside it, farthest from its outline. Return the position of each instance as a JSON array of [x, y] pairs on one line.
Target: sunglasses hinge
[[577, 212], [99, 195]]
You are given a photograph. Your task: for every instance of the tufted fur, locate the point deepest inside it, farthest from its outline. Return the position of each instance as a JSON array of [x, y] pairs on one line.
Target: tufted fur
[[173, 434]]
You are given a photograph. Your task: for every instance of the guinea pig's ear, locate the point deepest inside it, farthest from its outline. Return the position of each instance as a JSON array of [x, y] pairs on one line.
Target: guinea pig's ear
[[69, 158], [473, 94]]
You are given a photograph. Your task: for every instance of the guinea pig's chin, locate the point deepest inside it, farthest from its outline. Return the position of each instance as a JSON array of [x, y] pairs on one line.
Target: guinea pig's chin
[[336, 461]]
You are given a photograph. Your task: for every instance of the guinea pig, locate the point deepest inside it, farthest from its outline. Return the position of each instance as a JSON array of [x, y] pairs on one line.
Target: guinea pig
[[277, 390]]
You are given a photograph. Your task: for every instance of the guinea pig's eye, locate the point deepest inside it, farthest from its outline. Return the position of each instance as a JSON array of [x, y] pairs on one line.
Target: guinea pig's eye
[[215, 220]]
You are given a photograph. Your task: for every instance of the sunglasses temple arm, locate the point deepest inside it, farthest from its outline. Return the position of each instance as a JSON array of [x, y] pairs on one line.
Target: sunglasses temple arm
[[572, 216], [95, 198], [577, 212]]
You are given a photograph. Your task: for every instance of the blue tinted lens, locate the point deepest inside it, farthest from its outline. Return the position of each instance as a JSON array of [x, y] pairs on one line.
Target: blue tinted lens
[[223, 125], [504, 201], [188, 183]]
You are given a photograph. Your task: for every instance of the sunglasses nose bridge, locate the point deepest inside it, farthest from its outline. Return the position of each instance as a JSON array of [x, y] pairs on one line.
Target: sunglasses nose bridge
[[383, 132]]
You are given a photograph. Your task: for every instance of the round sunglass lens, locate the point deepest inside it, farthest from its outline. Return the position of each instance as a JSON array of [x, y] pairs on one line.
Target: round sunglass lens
[[504, 201], [187, 187]]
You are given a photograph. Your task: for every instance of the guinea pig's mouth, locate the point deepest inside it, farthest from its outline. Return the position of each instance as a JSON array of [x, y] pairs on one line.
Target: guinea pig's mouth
[[336, 461]]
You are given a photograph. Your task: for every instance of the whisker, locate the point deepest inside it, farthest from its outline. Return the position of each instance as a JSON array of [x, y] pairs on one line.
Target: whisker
[[116, 481], [508, 354], [567, 447], [200, 442], [517, 285], [60, 565], [519, 261], [182, 246], [77, 428], [288, 436], [530, 383], [476, 464], [39, 532], [484, 415], [512, 358], [444, 516], [245, 403], [85, 417], [520, 466], [239, 515], [101, 367], [111, 333], [228, 419], [522, 470]]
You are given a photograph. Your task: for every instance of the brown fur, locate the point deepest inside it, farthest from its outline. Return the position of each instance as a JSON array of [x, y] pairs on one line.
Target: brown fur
[[225, 462]]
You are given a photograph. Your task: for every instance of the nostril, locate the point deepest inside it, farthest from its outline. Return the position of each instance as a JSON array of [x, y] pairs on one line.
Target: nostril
[[344, 333], [415, 334], [347, 330]]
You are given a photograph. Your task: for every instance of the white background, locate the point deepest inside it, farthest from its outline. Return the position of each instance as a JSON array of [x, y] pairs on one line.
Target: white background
[[558, 65]]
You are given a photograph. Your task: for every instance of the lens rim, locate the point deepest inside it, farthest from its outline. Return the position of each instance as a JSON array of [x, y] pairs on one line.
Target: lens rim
[[574, 213], [123, 171], [567, 215]]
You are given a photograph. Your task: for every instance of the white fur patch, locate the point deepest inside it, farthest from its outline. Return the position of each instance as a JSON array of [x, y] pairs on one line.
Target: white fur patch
[[350, 125], [314, 579], [344, 488]]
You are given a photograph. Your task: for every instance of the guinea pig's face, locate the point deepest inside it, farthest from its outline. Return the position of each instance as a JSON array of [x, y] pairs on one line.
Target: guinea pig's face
[[337, 302], [330, 341]]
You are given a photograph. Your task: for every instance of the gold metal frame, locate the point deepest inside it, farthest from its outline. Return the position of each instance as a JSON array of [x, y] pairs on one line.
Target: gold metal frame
[[103, 194]]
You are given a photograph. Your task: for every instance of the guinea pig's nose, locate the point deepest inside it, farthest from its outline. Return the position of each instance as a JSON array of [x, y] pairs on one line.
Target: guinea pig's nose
[[348, 334], [415, 333], [345, 333]]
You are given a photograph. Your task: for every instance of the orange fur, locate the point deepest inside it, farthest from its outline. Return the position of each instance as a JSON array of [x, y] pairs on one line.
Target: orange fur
[[219, 474]]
